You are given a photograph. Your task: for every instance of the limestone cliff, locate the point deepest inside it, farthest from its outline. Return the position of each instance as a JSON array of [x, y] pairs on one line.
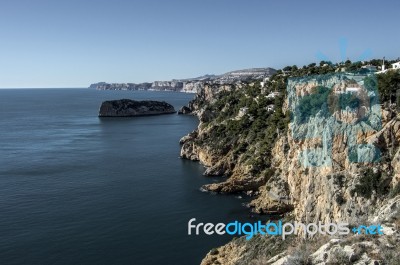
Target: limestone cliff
[[330, 163], [167, 85], [329, 157], [230, 156]]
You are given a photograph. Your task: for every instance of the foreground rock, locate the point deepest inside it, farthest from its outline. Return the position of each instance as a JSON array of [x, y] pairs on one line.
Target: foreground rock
[[132, 108], [319, 250]]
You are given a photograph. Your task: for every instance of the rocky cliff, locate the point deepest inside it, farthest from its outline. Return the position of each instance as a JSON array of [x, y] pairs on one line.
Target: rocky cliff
[[132, 108], [336, 160], [215, 143], [167, 85]]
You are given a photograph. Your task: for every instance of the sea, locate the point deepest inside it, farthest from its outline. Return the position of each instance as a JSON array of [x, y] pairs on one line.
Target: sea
[[76, 189]]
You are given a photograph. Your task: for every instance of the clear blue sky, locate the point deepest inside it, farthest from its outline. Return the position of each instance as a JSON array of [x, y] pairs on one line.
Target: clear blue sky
[[72, 43]]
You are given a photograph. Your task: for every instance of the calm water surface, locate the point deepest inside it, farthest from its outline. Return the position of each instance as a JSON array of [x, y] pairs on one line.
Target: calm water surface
[[76, 189]]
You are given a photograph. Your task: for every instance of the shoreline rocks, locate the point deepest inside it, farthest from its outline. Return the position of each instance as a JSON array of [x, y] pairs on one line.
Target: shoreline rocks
[[133, 108], [184, 110]]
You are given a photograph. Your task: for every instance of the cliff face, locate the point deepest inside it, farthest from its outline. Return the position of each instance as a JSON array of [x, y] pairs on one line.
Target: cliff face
[[330, 156], [192, 87], [333, 163], [323, 157], [131, 108], [230, 155], [167, 85]]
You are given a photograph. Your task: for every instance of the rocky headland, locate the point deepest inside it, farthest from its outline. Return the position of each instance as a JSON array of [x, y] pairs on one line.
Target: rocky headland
[[133, 108], [325, 164]]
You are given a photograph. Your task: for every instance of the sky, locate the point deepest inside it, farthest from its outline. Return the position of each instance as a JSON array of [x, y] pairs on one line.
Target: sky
[[73, 43]]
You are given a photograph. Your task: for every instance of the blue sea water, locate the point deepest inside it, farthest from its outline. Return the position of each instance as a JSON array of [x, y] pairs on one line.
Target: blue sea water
[[77, 189]]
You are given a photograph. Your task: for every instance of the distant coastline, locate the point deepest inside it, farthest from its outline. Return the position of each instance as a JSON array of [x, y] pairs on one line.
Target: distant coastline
[[190, 85]]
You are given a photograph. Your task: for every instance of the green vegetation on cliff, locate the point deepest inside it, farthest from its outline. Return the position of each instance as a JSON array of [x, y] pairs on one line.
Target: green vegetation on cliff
[[262, 120], [245, 120], [243, 135]]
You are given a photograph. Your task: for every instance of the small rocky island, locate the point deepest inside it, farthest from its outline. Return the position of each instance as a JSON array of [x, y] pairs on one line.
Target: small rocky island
[[133, 108]]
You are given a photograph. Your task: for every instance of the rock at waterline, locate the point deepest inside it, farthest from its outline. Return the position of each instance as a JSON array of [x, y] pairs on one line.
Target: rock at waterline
[[132, 108], [184, 110]]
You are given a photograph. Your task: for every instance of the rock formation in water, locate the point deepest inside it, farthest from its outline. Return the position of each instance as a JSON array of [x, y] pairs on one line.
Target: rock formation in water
[[132, 108], [184, 110]]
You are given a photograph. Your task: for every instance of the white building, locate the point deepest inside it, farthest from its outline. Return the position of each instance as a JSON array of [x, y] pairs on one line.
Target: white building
[[396, 65], [264, 82], [273, 94], [352, 89], [270, 107]]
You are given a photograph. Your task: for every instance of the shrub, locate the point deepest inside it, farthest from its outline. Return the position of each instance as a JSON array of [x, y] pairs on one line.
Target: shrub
[[312, 104], [370, 182], [340, 199]]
